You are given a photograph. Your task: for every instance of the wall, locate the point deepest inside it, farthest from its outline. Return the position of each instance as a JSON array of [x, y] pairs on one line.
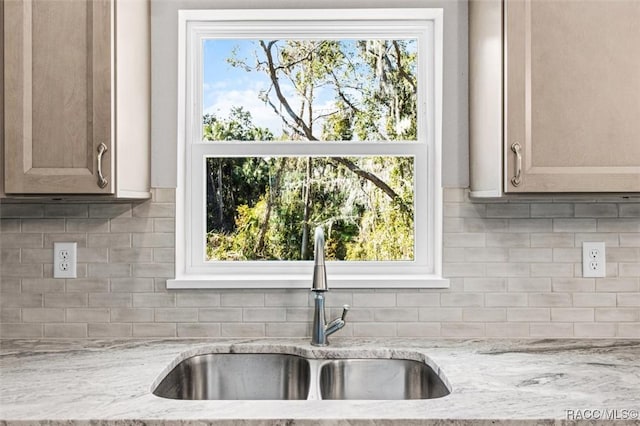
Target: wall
[[514, 267], [164, 59]]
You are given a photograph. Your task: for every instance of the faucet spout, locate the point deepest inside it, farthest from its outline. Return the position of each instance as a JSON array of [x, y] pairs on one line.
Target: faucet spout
[[319, 286], [319, 282]]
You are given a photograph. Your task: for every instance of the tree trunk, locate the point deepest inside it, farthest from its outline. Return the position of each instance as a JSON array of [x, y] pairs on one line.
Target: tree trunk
[[219, 195], [274, 192], [304, 250]]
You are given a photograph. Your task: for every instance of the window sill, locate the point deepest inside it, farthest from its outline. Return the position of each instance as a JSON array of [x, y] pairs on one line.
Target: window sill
[[304, 281]]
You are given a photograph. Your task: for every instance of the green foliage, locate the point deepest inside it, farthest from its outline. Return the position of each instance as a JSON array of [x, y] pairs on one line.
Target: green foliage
[[233, 182], [241, 244], [238, 127]]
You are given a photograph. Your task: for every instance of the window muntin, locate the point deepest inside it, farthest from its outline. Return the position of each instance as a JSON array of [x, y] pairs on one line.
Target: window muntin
[[422, 25]]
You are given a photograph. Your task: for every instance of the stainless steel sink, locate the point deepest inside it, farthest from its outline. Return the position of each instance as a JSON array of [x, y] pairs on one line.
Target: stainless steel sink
[[237, 376], [379, 379], [248, 376]]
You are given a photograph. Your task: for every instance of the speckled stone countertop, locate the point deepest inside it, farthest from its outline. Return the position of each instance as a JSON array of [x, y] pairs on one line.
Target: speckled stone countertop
[[507, 382]]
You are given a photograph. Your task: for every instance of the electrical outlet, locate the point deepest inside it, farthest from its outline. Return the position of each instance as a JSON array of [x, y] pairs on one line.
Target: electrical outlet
[[64, 260], [593, 259]]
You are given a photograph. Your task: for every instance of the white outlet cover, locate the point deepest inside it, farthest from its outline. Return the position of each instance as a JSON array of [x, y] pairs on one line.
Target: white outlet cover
[[594, 260], [65, 260]]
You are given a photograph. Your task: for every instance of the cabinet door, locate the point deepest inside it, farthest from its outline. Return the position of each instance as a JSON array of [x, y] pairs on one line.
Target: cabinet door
[[572, 95], [58, 96]]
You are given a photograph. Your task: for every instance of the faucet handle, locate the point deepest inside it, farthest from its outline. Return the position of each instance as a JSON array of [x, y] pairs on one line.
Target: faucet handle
[[345, 309]]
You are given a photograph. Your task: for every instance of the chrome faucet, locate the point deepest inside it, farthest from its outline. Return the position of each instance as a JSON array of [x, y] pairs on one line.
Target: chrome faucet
[[321, 330]]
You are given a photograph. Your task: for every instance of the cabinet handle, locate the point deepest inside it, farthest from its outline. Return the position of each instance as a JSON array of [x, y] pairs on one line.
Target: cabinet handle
[[102, 181], [515, 181]]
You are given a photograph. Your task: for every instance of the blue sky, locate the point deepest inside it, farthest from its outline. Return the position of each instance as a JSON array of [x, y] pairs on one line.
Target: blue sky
[[226, 86]]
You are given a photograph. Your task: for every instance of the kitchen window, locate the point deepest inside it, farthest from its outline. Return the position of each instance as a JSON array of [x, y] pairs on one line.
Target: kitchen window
[[292, 119]]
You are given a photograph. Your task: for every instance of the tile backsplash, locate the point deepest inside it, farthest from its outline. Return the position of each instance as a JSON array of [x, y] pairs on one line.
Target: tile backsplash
[[515, 270]]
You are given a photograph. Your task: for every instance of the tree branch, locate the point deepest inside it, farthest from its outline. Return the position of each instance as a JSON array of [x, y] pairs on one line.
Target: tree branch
[[310, 136], [401, 69], [373, 179], [276, 85]]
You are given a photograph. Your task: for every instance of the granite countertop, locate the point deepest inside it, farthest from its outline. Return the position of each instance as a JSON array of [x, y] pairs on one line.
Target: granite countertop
[[66, 381]]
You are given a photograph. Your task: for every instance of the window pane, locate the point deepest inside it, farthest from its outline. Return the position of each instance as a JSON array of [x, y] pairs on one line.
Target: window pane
[[266, 208], [296, 90]]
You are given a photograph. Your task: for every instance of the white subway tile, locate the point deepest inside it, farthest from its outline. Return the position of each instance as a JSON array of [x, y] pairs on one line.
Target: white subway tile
[[124, 315], [549, 299], [574, 225], [154, 300], [505, 299], [242, 299], [554, 329], [42, 225], [453, 329], [363, 329], [366, 299], [517, 239], [24, 331], [198, 330], [464, 239], [530, 225], [100, 330], [412, 298], [530, 254], [418, 329], [552, 270], [572, 314], [220, 314], [43, 315], [242, 330], [484, 285], [263, 315], [175, 315], [532, 285], [86, 315], [630, 239], [405, 314], [553, 240], [596, 210], [462, 299], [154, 330], [592, 330], [628, 299], [505, 330], [508, 269], [66, 210], [617, 314], [573, 285], [110, 211], [546, 210], [528, 314], [629, 330], [630, 210], [484, 314], [289, 329]]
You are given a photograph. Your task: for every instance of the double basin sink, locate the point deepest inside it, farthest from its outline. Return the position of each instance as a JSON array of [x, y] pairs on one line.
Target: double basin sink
[[253, 376]]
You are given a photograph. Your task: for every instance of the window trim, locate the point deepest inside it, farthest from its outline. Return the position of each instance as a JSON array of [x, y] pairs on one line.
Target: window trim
[[275, 274]]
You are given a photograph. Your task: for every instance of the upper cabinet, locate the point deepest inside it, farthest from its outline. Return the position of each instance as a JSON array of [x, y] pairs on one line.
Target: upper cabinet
[[77, 97], [555, 96]]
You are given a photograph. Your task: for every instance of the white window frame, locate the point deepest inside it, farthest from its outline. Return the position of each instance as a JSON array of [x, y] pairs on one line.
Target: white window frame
[[425, 24]]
